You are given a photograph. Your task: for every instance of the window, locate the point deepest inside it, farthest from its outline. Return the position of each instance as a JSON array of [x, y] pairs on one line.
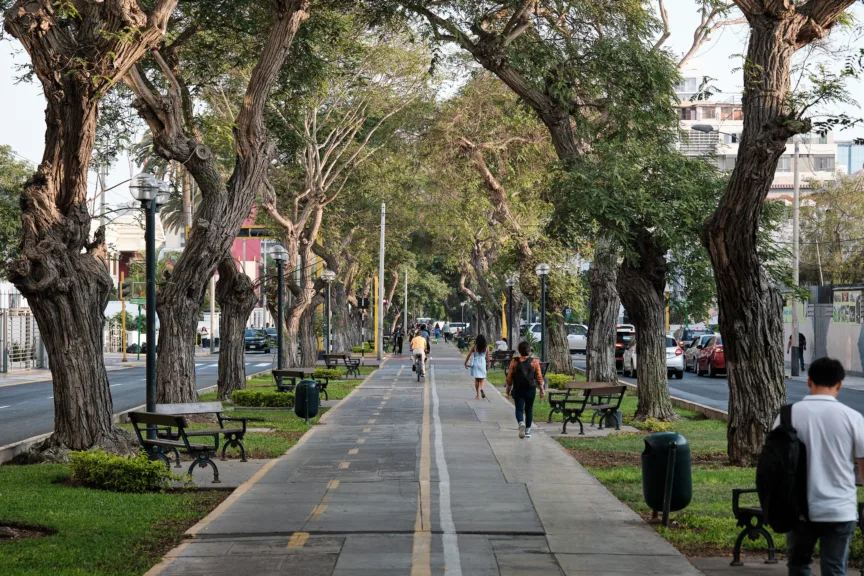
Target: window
[[823, 163], [536, 329], [688, 113], [785, 164], [670, 343], [729, 162]]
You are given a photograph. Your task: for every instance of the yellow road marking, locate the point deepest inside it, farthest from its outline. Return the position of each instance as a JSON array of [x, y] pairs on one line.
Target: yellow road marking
[[344, 465], [298, 539], [318, 511], [353, 451], [333, 484], [372, 421], [367, 430], [361, 441], [421, 555], [376, 414]]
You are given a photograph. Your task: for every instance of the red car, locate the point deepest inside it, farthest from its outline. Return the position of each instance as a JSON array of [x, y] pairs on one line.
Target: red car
[[711, 359]]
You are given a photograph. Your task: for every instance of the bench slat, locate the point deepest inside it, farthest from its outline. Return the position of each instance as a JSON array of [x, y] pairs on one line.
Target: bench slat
[[157, 419], [189, 408]]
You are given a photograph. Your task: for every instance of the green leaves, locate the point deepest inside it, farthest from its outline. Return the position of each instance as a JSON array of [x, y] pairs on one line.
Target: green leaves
[[13, 173]]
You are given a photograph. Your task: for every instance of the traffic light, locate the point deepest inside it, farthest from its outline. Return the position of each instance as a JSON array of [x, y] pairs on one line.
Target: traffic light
[[126, 290]]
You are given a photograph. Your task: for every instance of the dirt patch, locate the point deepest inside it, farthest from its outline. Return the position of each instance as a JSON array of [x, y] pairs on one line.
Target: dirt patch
[[612, 459], [13, 531]]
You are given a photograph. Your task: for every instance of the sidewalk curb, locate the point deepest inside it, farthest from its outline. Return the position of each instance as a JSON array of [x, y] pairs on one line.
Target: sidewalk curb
[[707, 411], [192, 532], [9, 451]]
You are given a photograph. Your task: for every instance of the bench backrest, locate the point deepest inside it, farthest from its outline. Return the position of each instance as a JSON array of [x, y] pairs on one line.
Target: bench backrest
[[289, 373], [157, 419], [605, 390], [189, 408]]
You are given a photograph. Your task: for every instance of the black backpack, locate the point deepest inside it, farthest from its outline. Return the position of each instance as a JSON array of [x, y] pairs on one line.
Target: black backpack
[[523, 376], [781, 475]]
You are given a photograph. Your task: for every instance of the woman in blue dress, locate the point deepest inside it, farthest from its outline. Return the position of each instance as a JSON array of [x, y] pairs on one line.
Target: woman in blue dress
[[477, 360]]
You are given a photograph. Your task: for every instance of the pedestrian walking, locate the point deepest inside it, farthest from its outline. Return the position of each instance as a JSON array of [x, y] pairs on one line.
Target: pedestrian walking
[[399, 339], [437, 332], [802, 345], [477, 361], [524, 378], [833, 437]]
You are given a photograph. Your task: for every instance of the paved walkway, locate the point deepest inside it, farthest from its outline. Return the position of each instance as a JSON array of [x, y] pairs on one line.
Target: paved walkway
[[420, 478]]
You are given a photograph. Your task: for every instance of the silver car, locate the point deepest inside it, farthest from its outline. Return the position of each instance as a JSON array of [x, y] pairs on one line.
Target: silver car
[[674, 359]]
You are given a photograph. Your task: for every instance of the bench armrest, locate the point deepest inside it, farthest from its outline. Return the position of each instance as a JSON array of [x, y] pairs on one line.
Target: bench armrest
[[736, 497], [230, 419]]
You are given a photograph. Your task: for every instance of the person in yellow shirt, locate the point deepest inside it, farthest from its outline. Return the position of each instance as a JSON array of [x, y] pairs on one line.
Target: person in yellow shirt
[[418, 351]]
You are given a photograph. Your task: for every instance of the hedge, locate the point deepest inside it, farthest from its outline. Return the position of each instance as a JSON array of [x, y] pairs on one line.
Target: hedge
[[98, 469], [262, 398]]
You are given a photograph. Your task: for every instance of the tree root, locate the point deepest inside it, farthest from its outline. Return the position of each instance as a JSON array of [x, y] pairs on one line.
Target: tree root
[[51, 451]]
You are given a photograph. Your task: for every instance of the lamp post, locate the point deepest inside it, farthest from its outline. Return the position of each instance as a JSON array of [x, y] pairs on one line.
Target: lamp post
[[477, 317], [462, 304], [542, 271], [796, 351], [279, 254], [510, 283], [152, 193], [329, 276]]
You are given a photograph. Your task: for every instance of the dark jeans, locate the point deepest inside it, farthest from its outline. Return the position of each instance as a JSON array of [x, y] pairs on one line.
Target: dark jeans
[[399, 345], [524, 399], [801, 357], [834, 539]]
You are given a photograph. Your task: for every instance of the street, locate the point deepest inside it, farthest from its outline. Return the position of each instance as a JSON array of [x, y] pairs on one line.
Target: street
[[27, 410], [714, 392]]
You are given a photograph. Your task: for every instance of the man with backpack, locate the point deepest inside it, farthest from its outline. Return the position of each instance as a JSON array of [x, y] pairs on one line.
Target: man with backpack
[[524, 378], [806, 474], [802, 346]]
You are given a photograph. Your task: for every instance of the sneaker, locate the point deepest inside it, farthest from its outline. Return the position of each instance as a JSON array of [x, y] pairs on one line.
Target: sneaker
[[521, 430], [527, 433], [483, 394], [413, 367]]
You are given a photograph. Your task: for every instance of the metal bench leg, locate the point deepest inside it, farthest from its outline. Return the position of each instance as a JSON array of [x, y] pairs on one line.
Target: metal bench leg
[[772, 559], [156, 454], [233, 440], [552, 411], [177, 457], [736, 551], [203, 462], [581, 428], [566, 420]]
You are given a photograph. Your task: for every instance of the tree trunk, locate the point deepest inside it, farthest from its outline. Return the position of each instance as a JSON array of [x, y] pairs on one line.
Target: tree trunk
[[61, 272], [750, 307], [557, 349], [236, 298], [309, 335], [603, 317], [641, 285]]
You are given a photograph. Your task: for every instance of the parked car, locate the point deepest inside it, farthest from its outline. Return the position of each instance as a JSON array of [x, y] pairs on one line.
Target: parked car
[[256, 340], [711, 359], [674, 359], [577, 338], [691, 351], [534, 328], [623, 336], [454, 326], [686, 335]]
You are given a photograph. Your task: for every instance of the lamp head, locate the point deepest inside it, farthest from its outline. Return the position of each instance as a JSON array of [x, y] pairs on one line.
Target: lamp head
[[163, 193], [511, 281], [143, 187], [542, 269], [278, 253], [706, 128], [328, 276]]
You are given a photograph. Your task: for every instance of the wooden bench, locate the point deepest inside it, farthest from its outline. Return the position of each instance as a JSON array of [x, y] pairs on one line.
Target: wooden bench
[[502, 358], [332, 361], [598, 397], [232, 436], [746, 516], [294, 374], [352, 365], [165, 424]]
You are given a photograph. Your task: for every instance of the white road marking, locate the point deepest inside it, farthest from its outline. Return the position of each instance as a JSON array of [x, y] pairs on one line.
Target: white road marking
[[198, 365], [1, 407], [50, 397], [113, 385], [452, 564], [263, 364]]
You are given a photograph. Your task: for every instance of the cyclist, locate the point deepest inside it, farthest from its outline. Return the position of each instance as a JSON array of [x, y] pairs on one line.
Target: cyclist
[[418, 346]]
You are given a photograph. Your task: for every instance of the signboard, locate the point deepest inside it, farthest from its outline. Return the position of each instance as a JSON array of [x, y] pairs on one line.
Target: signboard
[[847, 307], [138, 301]]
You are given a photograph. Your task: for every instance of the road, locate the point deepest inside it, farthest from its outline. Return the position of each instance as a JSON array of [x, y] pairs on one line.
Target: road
[[27, 410], [714, 392]]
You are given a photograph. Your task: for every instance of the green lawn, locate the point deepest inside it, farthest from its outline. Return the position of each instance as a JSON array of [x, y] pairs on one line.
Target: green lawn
[[96, 532], [706, 527]]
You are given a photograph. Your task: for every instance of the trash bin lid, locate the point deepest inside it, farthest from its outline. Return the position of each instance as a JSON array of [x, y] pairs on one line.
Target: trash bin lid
[[662, 440]]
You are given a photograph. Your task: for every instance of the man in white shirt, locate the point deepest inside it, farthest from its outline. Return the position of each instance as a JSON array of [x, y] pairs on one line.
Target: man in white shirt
[[833, 434]]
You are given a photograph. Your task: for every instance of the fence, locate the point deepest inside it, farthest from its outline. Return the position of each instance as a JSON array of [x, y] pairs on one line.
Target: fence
[[20, 344]]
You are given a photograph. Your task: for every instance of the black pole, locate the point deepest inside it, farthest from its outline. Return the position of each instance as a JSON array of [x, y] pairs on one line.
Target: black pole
[[510, 321], [150, 262], [280, 297], [543, 318], [327, 345]]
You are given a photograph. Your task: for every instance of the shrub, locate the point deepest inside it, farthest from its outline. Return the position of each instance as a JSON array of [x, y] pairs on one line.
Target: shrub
[[332, 373], [359, 349], [263, 398], [558, 381], [651, 425], [98, 469]]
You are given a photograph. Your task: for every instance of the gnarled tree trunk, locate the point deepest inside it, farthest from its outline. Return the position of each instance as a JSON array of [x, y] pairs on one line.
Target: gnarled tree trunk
[[557, 349], [308, 334], [604, 306], [750, 307], [60, 270], [237, 298], [641, 284]]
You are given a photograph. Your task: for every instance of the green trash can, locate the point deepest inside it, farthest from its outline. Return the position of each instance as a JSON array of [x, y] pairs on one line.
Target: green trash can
[[666, 482], [306, 399]]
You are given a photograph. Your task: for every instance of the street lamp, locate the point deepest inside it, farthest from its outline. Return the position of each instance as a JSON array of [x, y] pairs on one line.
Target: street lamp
[[329, 276], [462, 304], [511, 282], [476, 330], [542, 271], [795, 355], [152, 193], [279, 254]]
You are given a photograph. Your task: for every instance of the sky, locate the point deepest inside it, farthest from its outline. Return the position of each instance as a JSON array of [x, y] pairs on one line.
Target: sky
[[22, 125]]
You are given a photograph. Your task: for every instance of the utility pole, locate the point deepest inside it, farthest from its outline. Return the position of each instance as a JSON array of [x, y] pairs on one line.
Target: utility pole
[[405, 314], [213, 314], [379, 343], [794, 357]]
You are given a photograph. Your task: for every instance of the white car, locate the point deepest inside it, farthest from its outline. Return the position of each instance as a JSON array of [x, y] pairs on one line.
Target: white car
[[577, 338], [674, 359], [534, 328]]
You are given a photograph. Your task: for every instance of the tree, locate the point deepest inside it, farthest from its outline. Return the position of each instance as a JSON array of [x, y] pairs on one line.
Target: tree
[[13, 174], [649, 199], [749, 304], [236, 296], [78, 51], [225, 203]]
